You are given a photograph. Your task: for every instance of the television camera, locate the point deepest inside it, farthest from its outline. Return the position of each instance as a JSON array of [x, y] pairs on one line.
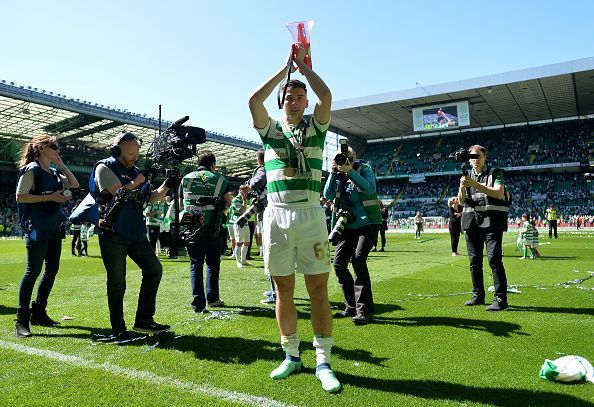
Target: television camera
[[167, 150]]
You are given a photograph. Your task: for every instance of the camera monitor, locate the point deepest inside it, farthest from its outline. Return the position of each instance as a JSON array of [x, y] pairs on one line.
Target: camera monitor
[[445, 116]]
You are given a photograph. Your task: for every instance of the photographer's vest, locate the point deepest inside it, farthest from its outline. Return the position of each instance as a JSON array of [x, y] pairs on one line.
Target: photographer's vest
[[129, 222], [202, 183], [41, 221], [369, 201], [551, 214], [488, 212]]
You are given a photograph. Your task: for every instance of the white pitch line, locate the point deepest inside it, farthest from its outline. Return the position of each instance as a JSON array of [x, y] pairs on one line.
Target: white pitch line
[[148, 377]]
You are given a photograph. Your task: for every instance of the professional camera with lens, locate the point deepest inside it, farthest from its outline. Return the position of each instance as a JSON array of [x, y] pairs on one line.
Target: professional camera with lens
[[341, 157], [176, 143], [462, 155], [343, 217], [257, 206], [111, 207]]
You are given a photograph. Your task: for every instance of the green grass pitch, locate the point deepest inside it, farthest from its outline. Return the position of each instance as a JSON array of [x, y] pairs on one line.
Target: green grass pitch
[[425, 348]]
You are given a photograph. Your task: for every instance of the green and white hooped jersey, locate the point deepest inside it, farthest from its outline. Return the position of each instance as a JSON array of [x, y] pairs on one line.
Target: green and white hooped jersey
[[236, 205], [289, 181], [155, 220]]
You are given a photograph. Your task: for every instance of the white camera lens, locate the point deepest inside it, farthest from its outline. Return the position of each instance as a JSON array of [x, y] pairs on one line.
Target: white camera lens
[[67, 193]]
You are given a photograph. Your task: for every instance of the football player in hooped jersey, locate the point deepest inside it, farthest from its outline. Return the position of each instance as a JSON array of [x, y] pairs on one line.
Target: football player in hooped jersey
[[294, 225]]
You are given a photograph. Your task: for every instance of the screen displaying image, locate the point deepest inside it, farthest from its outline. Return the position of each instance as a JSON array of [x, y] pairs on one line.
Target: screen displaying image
[[441, 117]]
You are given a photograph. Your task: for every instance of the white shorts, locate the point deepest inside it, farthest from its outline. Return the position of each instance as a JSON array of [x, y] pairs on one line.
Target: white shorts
[[295, 240], [231, 230], [242, 235], [259, 227]]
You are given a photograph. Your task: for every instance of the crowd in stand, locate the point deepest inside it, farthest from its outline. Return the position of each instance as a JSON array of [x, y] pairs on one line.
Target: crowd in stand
[[516, 146], [522, 146], [531, 193], [78, 154]]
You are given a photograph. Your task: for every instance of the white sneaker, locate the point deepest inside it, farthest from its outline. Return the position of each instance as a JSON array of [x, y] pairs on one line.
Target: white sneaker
[[328, 380], [239, 265]]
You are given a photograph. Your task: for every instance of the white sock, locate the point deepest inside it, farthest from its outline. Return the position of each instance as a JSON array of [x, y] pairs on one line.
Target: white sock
[[238, 253], [244, 250], [290, 345], [323, 345]]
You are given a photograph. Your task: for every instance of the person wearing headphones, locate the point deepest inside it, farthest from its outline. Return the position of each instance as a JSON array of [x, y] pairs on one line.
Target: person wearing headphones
[[125, 235]]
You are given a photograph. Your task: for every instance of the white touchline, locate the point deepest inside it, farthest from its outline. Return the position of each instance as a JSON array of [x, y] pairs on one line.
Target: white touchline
[[233, 396]]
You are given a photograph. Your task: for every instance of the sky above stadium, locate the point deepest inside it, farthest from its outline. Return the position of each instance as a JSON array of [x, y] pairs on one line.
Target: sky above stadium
[[204, 58]]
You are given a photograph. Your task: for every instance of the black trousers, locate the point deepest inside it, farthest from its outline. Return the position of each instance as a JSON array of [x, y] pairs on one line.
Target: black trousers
[[455, 230], [476, 239], [76, 242], [252, 226], [355, 248], [114, 250], [153, 235], [382, 231], [552, 227]]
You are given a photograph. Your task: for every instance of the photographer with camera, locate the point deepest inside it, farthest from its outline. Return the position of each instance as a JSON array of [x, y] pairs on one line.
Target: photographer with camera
[[294, 235], [257, 185], [40, 194], [352, 186], [205, 184], [122, 233], [484, 219]]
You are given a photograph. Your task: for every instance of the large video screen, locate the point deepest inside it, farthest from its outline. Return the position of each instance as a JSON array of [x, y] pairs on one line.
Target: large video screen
[[445, 116]]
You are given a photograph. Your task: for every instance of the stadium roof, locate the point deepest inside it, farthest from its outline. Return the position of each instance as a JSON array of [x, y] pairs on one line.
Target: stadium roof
[[535, 95], [26, 111]]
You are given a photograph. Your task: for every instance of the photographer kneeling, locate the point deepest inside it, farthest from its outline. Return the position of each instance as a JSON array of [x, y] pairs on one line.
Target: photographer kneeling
[[352, 185]]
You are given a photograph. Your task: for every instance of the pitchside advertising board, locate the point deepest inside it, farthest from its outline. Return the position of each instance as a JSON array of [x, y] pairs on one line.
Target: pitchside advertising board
[[445, 116]]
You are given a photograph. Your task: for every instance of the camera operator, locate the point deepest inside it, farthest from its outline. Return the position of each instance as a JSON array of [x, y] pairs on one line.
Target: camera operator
[[356, 183], [125, 235], [205, 182], [484, 219], [39, 195]]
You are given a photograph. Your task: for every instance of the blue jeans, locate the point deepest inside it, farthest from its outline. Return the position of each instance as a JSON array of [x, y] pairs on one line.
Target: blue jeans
[[205, 248], [38, 252], [114, 250]]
